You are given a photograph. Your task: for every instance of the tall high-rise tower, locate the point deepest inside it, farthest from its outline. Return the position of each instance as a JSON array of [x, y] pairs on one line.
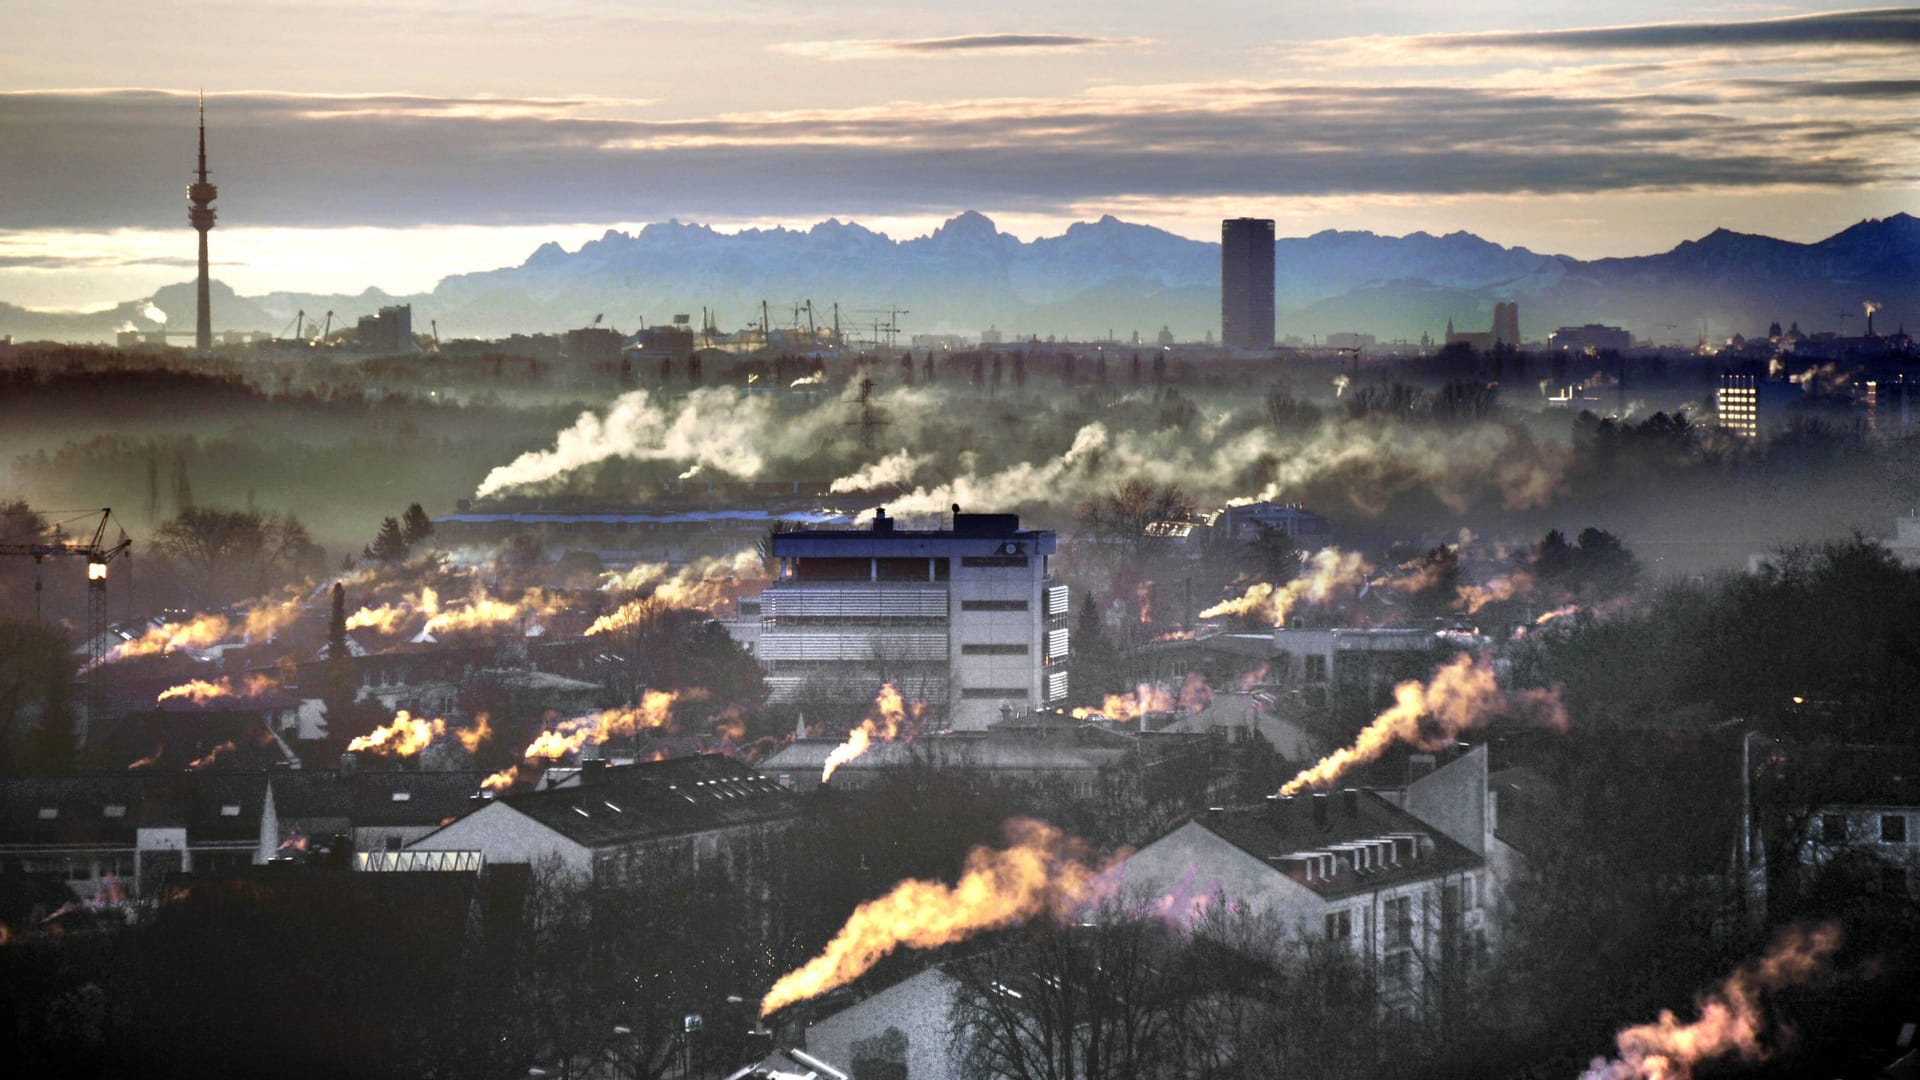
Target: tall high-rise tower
[[200, 196], [1246, 283]]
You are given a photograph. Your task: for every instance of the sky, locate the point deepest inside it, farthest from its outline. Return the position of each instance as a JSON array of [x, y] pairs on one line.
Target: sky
[[360, 143]]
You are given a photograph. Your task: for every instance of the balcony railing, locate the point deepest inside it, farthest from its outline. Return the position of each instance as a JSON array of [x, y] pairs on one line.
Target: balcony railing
[[853, 602], [813, 644]]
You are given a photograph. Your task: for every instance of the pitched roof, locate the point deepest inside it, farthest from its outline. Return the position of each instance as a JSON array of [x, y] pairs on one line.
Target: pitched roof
[[1295, 827], [624, 804], [959, 750]]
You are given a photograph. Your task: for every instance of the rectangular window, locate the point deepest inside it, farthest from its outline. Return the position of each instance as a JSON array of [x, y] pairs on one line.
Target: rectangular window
[[943, 569], [1400, 921], [1893, 828], [1833, 828], [1472, 893], [998, 693], [993, 605], [1316, 668], [1339, 925], [1020, 649], [985, 561]]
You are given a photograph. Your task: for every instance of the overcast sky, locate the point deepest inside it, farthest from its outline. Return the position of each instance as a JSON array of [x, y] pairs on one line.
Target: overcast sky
[[390, 143]]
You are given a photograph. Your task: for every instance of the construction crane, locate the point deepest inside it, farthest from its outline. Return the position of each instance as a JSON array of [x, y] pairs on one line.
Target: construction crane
[[98, 554], [890, 328]]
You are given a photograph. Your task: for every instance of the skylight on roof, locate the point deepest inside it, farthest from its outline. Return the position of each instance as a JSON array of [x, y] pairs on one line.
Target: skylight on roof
[[48, 813], [230, 810], [114, 810], [611, 807], [582, 811], [402, 796]]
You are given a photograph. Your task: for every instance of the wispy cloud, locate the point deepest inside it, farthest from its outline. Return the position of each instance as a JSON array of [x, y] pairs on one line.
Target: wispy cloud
[[962, 45], [401, 161], [1885, 27]]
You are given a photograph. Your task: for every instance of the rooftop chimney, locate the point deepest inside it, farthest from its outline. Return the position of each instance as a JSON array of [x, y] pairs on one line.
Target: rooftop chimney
[[881, 522], [347, 763], [592, 770], [1320, 801], [1350, 801]]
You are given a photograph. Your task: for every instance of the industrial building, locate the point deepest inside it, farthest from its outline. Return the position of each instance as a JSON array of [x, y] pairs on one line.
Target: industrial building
[[967, 618], [387, 332], [1246, 283], [1591, 338]]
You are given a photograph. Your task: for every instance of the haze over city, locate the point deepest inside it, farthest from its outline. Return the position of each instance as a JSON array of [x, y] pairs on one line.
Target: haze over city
[[927, 542], [391, 144]]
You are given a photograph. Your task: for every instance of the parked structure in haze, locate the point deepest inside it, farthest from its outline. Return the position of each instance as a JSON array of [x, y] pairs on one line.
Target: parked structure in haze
[[1591, 338], [1246, 283], [968, 618], [387, 332]]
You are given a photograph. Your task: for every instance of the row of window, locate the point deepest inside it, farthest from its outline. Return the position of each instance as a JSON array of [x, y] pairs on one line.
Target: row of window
[[1015, 649], [997, 693], [993, 605], [1833, 828]]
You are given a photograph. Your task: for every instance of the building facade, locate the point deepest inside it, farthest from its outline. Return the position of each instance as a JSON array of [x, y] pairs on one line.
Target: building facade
[[1591, 338], [967, 618], [1406, 879], [1736, 404], [1246, 283]]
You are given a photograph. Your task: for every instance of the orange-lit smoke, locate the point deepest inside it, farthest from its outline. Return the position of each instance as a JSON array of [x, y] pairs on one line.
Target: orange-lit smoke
[[1461, 696], [391, 618], [892, 717], [408, 735], [1732, 1016], [200, 691], [1564, 612], [1195, 694], [1254, 676], [501, 780], [1043, 872], [261, 621], [211, 756], [1327, 570], [1120, 708], [484, 612], [569, 736], [1502, 588], [149, 761], [706, 584]]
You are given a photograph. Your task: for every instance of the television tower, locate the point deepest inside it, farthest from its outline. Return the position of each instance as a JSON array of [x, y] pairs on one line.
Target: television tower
[[200, 196]]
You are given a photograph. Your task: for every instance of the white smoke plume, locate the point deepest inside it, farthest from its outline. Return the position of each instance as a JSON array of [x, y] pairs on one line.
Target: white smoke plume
[[152, 313], [896, 468], [1040, 458], [713, 427]]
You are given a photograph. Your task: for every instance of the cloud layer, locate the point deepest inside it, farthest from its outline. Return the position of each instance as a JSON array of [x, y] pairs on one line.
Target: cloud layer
[[99, 159]]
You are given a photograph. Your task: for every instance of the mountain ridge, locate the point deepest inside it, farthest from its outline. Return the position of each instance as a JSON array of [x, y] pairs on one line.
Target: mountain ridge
[[1103, 275]]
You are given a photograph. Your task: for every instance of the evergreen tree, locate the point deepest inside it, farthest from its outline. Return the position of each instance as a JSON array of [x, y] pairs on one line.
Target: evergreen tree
[[337, 624], [415, 525], [390, 546]]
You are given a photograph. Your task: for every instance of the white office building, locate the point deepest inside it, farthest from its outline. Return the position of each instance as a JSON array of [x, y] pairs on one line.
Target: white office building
[[967, 618]]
